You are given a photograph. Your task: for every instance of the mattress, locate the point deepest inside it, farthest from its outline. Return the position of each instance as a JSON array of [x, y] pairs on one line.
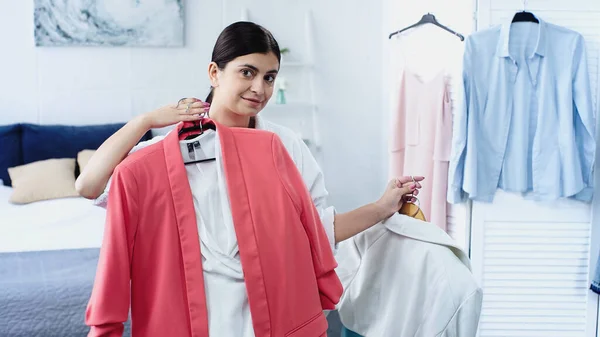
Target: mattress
[[48, 256], [68, 223]]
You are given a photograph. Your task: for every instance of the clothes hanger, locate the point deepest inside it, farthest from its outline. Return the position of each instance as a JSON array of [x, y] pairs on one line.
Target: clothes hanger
[[196, 130], [524, 16], [429, 18], [204, 122], [412, 209]]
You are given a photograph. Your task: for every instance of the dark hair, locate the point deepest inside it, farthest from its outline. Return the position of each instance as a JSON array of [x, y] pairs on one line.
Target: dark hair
[[239, 39]]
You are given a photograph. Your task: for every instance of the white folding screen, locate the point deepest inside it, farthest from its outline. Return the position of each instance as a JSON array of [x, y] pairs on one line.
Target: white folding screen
[[533, 259]]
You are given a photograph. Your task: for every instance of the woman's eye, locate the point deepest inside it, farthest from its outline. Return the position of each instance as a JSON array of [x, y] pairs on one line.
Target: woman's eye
[[247, 73], [270, 78]]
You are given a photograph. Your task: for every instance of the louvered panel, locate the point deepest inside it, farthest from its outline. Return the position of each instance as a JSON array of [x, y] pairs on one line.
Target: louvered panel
[[532, 261], [534, 276]]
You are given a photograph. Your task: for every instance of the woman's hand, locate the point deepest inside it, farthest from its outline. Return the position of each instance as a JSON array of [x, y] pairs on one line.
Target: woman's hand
[[189, 109], [397, 192]]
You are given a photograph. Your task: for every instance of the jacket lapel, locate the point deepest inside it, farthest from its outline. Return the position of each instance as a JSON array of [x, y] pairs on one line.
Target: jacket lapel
[[245, 231], [188, 234], [424, 231]]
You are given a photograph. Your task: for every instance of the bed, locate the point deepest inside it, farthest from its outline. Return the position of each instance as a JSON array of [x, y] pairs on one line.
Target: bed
[[48, 256], [48, 249]]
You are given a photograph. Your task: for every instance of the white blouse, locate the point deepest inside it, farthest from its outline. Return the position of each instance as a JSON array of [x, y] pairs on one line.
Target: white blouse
[[227, 301]]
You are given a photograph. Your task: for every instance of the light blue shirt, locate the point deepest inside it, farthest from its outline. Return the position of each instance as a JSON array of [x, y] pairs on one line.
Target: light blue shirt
[[527, 123]]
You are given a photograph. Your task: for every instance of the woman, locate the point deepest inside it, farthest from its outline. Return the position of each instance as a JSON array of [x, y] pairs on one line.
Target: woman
[[244, 65]]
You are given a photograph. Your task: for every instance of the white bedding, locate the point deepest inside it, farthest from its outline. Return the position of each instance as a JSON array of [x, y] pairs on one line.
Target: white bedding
[[67, 223]]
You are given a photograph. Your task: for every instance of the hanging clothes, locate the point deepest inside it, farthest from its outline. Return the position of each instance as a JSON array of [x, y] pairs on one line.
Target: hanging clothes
[[421, 136], [302, 157], [154, 250], [528, 124], [434, 294]]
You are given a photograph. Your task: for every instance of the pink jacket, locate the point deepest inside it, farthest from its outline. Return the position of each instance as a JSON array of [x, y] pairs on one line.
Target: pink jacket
[[150, 256]]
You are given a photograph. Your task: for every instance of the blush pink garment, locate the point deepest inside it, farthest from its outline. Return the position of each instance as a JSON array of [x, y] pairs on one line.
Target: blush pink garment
[[150, 256], [421, 140]]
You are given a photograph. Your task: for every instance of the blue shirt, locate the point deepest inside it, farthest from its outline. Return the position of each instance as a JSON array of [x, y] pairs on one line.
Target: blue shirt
[[527, 123]]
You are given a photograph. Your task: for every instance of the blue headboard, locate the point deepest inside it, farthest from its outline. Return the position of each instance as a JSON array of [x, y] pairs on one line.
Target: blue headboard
[[26, 143]]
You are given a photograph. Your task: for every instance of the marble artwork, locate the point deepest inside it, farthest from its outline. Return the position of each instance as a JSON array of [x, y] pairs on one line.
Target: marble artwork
[[137, 23]]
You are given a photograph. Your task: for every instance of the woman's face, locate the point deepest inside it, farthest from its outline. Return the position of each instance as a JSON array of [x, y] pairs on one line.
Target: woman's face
[[246, 84]]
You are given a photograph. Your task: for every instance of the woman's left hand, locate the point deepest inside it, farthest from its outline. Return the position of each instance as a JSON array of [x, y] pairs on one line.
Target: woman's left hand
[[397, 192]]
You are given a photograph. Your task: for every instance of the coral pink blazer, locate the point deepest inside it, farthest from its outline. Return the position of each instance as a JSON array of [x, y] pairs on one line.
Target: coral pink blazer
[[150, 256]]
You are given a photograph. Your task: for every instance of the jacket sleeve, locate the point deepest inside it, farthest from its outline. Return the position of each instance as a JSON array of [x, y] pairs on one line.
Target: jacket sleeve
[[102, 199], [330, 287], [465, 321], [584, 118], [108, 306], [314, 181]]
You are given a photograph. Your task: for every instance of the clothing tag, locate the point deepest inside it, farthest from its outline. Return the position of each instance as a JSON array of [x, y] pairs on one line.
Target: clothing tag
[[194, 151], [191, 151]]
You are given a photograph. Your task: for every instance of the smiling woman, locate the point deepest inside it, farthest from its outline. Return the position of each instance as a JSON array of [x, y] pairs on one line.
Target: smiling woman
[[245, 85], [242, 72]]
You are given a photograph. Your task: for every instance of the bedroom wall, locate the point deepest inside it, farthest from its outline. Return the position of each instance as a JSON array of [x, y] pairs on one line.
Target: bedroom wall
[[74, 85]]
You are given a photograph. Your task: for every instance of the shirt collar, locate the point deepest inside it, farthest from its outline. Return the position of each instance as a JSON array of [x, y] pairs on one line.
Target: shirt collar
[[503, 40]]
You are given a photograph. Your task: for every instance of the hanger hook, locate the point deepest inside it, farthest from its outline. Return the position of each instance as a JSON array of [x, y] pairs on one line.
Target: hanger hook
[[524, 5]]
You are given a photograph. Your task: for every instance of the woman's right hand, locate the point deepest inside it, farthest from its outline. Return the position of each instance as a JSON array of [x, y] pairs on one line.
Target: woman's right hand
[[175, 113]]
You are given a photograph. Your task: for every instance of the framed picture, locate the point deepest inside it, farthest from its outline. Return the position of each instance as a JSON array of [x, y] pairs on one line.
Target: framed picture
[[135, 23]]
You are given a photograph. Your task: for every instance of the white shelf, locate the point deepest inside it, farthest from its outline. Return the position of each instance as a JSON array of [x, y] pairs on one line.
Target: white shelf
[[295, 64], [289, 107], [299, 116]]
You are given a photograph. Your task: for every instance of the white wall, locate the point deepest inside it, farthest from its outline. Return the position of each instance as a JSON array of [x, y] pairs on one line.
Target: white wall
[[73, 85]]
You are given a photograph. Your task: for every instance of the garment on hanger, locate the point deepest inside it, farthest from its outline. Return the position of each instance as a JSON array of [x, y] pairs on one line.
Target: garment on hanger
[[157, 250], [435, 296], [300, 153], [527, 124], [421, 136]]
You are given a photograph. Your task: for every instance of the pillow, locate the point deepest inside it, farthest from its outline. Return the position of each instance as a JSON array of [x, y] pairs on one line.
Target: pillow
[[83, 157], [41, 142], [10, 150], [43, 180]]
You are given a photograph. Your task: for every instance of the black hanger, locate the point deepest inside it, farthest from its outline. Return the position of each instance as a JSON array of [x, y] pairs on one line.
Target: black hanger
[[429, 18], [525, 17], [199, 126], [200, 161]]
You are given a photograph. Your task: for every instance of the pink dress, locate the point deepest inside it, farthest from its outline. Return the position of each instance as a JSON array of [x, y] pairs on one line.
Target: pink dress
[[421, 140]]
